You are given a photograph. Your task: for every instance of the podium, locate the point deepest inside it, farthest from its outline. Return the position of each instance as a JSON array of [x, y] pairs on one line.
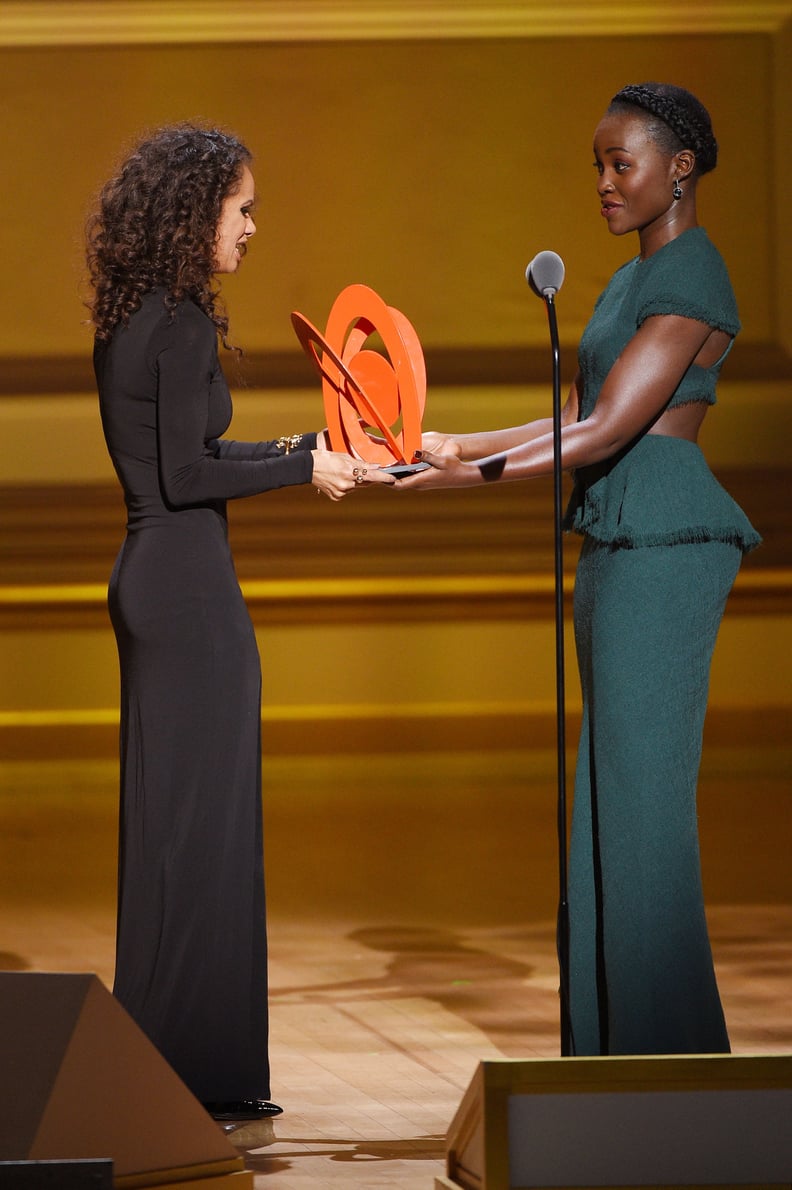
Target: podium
[[719, 1121]]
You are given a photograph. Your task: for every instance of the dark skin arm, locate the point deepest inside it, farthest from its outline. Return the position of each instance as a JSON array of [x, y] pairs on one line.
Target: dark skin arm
[[632, 400]]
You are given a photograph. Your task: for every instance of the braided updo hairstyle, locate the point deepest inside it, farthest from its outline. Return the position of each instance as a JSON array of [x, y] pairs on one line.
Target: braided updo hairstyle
[[676, 120], [156, 224]]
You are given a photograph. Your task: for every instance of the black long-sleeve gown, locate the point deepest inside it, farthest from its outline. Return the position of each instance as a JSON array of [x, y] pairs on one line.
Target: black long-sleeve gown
[[191, 961]]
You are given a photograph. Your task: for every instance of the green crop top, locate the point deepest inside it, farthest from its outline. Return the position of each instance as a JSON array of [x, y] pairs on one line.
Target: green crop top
[[687, 277], [658, 490]]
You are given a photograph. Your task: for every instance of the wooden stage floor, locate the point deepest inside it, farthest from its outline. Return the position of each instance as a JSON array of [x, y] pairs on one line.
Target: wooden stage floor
[[411, 932]]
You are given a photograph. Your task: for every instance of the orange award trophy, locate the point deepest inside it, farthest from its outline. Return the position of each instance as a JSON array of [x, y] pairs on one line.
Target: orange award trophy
[[373, 404]]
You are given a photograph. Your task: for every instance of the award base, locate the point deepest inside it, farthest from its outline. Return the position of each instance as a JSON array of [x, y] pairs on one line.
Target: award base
[[401, 470]]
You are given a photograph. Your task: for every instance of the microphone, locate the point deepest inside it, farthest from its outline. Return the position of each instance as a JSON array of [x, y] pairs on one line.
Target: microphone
[[545, 274]]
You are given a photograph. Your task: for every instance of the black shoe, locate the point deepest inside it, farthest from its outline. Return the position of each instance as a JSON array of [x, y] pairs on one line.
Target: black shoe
[[243, 1109]]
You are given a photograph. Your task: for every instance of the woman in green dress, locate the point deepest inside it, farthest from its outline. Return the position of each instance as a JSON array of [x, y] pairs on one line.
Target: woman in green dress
[[662, 545]]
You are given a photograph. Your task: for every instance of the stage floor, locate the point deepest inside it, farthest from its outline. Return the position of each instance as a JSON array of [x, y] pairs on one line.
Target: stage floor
[[411, 932]]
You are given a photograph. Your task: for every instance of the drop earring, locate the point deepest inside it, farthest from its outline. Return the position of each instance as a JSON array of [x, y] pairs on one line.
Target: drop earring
[[677, 191]]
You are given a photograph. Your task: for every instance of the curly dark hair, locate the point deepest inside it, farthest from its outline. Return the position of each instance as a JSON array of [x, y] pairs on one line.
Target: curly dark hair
[[676, 120], [156, 224]]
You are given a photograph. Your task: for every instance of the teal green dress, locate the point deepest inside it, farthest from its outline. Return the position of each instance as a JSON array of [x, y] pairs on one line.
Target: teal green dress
[[662, 546]]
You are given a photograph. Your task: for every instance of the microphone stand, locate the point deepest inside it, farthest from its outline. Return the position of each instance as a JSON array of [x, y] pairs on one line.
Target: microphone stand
[[562, 922]]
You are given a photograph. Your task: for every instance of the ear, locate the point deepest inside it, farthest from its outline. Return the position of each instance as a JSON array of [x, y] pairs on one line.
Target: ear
[[685, 163]]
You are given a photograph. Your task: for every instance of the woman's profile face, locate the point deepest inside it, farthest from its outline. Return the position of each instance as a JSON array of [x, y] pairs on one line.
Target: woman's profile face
[[636, 178], [235, 226]]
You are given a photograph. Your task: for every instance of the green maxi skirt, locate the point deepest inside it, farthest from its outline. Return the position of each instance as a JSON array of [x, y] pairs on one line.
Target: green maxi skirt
[[641, 973]]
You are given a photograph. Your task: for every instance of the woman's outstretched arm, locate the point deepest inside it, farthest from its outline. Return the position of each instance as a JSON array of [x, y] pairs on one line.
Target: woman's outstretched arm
[[634, 395]]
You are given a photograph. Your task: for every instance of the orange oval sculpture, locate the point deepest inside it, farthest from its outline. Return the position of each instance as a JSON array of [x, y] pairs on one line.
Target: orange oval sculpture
[[368, 393]]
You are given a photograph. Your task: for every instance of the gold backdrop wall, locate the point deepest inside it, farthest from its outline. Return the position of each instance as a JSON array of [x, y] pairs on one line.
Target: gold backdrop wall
[[429, 150], [433, 170]]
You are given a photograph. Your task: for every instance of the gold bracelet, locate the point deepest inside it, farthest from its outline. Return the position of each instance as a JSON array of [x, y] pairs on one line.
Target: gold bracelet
[[289, 442]]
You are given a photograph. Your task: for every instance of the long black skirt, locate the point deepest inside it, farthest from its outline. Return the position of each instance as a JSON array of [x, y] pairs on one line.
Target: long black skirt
[[191, 961]]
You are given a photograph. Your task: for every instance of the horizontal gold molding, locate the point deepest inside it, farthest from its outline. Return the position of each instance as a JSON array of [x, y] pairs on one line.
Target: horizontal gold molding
[[310, 590], [371, 599], [368, 728], [157, 22], [60, 717], [354, 600], [299, 713], [365, 589], [305, 728]]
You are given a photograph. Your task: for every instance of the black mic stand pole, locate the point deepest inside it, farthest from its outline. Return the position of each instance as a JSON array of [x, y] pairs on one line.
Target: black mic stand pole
[[562, 923]]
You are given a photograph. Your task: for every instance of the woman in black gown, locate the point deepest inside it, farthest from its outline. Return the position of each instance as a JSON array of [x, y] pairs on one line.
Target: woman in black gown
[[191, 945]]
